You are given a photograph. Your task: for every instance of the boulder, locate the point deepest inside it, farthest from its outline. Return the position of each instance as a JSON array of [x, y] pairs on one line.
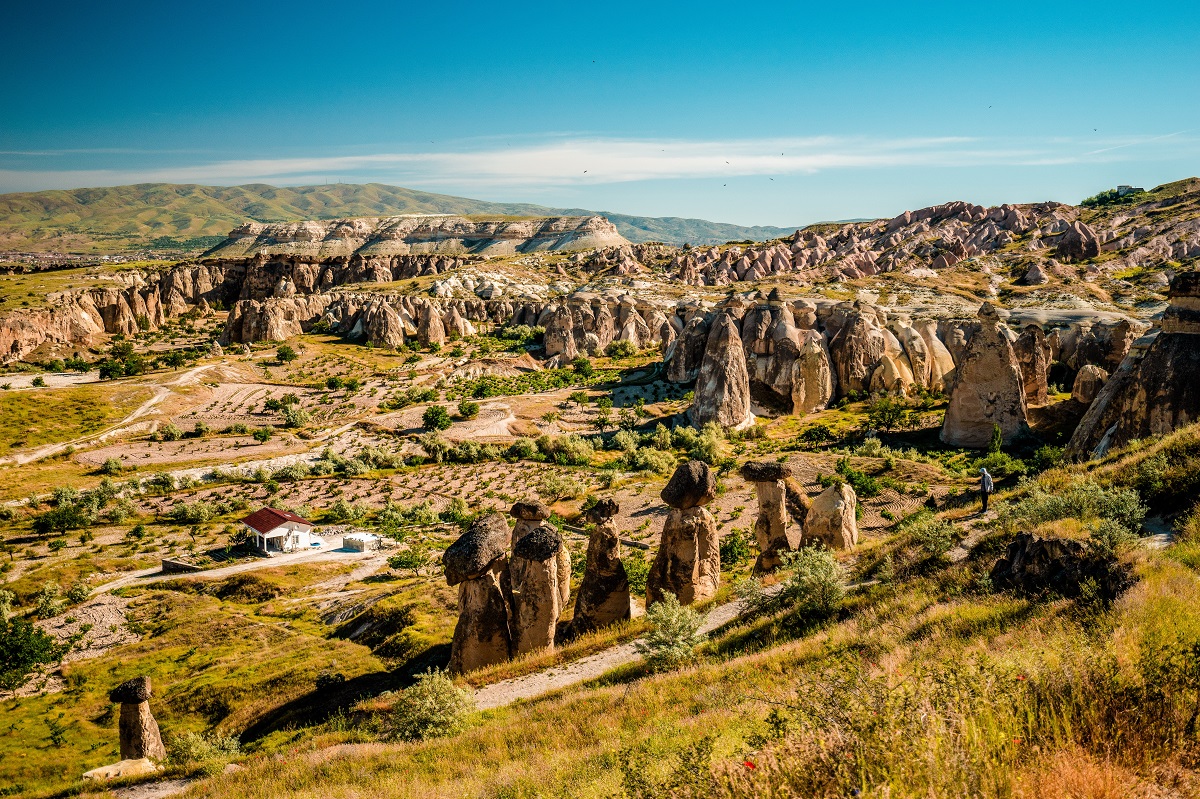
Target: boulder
[[473, 553], [140, 767], [1035, 276], [831, 519], [988, 388], [482, 635], [604, 592], [537, 590], [1035, 565], [771, 529], [529, 516], [139, 734], [693, 484], [1088, 382]]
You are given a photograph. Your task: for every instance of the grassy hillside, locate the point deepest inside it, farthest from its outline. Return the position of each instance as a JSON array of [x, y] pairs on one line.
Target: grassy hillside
[[165, 215]]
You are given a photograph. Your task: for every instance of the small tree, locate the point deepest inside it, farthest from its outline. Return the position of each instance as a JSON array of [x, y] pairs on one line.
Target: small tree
[[997, 439], [436, 417], [412, 559], [583, 367], [468, 409], [263, 434], [285, 354], [112, 466], [580, 398], [672, 640], [23, 647]]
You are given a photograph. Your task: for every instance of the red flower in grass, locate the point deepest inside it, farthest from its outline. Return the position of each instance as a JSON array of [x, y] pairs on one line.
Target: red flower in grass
[[1021, 677], [750, 765]]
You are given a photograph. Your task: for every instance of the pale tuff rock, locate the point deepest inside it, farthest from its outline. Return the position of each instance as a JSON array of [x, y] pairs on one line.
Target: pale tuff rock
[[482, 636], [476, 563], [686, 354], [559, 339], [1036, 276], [831, 518], [893, 374], [1033, 353], [772, 528], [688, 563], [813, 383], [604, 593], [126, 768], [138, 730], [941, 361], [723, 386], [988, 389], [857, 348], [1156, 394], [537, 589], [1088, 382], [1078, 243], [372, 240], [431, 330]]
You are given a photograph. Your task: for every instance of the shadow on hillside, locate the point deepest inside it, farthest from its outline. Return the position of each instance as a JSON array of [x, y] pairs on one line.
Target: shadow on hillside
[[320, 704]]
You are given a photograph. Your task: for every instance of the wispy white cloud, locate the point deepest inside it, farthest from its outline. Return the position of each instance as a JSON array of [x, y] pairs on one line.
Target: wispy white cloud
[[582, 161]]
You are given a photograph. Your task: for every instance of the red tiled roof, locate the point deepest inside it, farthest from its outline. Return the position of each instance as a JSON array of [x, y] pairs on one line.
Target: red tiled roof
[[267, 519]]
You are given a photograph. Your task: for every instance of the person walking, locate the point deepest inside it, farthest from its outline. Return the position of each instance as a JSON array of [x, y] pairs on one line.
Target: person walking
[[986, 487]]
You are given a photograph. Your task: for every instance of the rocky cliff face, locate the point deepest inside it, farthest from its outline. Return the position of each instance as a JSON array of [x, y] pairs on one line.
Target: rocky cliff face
[[387, 237], [1151, 394]]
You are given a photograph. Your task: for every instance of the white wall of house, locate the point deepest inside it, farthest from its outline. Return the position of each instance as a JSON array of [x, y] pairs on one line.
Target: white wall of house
[[287, 537]]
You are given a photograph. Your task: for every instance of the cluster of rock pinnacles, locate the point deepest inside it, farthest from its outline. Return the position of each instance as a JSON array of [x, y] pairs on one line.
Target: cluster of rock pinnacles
[[514, 584]]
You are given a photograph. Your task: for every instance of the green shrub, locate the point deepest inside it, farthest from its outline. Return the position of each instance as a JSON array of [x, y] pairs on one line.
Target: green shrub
[[1084, 500], [343, 511], [568, 450], [736, 547], [646, 459], [263, 434], [170, 432], [813, 581], [1107, 538], [931, 536], [522, 449], [294, 416], [23, 648], [204, 752], [864, 485], [112, 466], [672, 640], [637, 570], [413, 559], [432, 707], [557, 485], [620, 349]]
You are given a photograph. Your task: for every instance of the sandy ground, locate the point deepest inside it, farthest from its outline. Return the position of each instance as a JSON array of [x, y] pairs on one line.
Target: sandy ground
[[100, 622]]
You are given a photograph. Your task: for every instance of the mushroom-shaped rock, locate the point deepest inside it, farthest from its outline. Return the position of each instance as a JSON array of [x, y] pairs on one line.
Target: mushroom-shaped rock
[[139, 733], [604, 593], [528, 516], [472, 554], [772, 529], [831, 518], [693, 484], [688, 563], [476, 563], [537, 591], [1088, 382], [988, 389]]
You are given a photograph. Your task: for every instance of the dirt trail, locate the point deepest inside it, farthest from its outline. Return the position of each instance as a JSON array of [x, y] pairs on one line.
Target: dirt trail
[[361, 560]]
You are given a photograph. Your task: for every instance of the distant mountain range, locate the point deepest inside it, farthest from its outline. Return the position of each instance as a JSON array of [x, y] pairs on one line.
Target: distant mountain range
[[165, 216]]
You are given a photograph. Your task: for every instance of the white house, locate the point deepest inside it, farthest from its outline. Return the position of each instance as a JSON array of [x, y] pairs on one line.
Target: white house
[[278, 531]]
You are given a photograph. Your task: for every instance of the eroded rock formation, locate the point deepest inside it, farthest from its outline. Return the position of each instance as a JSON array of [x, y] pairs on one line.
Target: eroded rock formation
[[540, 588], [688, 563], [831, 518], [604, 592], [138, 730], [723, 385], [988, 389], [772, 529], [478, 565]]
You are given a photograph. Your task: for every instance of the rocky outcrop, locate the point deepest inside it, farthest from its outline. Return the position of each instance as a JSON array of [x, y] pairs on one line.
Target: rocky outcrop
[[988, 388], [831, 518], [772, 529], [857, 347], [1033, 356], [604, 592], [1155, 393], [723, 385], [1088, 382], [1037, 565], [1078, 243], [688, 563], [529, 516], [138, 730], [539, 590], [276, 319], [376, 239], [477, 564]]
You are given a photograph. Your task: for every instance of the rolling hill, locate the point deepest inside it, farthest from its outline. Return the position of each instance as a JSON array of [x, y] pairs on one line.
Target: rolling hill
[[184, 216]]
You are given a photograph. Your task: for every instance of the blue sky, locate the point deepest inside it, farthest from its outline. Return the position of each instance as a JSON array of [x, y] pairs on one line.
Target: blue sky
[[756, 113]]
